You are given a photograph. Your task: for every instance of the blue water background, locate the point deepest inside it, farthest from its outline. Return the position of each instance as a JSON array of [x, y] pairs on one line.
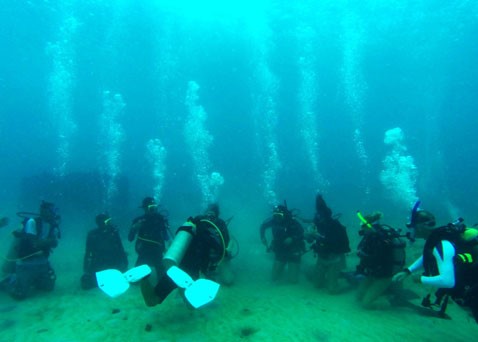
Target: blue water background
[[417, 61]]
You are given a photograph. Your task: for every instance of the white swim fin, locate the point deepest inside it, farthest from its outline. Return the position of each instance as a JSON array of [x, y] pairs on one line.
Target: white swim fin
[[114, 283], [199, 292]]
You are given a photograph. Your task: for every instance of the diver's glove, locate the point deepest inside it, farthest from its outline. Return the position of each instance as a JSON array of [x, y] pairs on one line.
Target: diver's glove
[[400, 276], [194, 220]]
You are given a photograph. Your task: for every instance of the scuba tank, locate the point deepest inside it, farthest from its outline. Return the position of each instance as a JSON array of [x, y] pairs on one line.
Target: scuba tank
[[398, 252], [28, 227], [381, 250], [175, 253]]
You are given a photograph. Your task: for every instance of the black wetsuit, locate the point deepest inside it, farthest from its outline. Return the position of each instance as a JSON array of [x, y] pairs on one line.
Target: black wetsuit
[[332, 239], [465, 291], [283, 229], [104, 250], [32, 267], [152, 232], [205, 251], [381, 252]]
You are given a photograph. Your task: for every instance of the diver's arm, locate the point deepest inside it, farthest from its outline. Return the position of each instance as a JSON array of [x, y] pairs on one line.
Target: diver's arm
[[417, 264], [44, 244], [165, 234], [123, 257], [133, 231], [263, 228], [446, 268]]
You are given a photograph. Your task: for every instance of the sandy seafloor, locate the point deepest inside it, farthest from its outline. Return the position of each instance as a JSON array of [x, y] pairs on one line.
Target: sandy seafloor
[[252, 309]]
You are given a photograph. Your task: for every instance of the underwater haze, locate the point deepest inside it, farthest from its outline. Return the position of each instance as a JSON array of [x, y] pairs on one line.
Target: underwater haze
[[248, 103], [372, 103]]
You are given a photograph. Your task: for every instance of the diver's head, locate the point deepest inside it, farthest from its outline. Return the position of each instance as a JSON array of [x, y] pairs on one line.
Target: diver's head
[[212, 210], [48, 212], [424, 222], [321, 207], [369, 221], [149, 205], [103, 220], [280, 212]]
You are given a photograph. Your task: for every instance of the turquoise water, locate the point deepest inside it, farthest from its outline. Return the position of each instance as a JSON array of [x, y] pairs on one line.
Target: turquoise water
[[248, 103], [294, 99]]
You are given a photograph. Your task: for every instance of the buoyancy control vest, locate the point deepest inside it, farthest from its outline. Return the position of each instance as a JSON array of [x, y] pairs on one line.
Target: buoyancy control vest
[[381, 252], [333, 238], [465, 242]]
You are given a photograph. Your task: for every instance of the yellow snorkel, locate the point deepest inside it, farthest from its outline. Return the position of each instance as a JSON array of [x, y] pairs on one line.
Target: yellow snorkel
[[364, 221]]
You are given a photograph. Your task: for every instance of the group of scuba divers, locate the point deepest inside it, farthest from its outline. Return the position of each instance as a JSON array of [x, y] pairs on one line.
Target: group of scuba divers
[[449, 261], [200, 247], [197, 258]]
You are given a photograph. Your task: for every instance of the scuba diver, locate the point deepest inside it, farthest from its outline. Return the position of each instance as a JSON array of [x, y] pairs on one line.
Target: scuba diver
[[198, 248], [382, 253], [104, 250], [287, 242], [330, 244], [220, 272], [448, 260], [27, 264], [151, 233]]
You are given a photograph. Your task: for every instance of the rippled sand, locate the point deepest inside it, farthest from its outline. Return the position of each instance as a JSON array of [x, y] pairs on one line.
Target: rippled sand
[[251, 310]]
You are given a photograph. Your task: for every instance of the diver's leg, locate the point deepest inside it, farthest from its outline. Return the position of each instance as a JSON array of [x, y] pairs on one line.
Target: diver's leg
[[225, 275], [22, 282], [147, 258], [377, 287], [88, 281], [147, 290], [157, 260], [333, 273], [46, 277], [319, 273], [363, 288], [293, 267], [294, 271], [156, 295], [277, 270]]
